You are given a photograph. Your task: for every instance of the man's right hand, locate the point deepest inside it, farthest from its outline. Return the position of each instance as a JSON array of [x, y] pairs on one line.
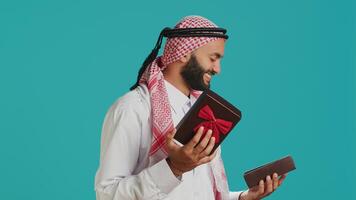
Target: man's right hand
[[196, 152]]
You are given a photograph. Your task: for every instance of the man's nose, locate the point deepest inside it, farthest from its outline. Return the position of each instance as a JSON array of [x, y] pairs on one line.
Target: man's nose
[[216, 68]]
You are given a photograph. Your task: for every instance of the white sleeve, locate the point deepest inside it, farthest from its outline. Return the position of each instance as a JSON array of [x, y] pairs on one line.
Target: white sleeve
[[234, 195], [120, 144]]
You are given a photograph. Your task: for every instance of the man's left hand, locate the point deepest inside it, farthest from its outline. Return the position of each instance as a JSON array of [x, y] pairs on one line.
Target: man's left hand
[[264, 188]]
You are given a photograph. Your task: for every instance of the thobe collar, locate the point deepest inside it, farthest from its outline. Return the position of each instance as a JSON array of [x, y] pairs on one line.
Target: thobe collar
[[177, 98]]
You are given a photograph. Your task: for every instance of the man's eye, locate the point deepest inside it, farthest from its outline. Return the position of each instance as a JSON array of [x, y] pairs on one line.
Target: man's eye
[[212, 59]]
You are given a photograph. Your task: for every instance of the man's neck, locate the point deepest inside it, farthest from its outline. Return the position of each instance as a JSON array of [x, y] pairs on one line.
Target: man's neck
[[178, 82]]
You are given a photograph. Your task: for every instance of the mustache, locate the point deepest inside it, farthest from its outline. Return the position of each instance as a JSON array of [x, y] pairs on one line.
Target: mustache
[[210, 72]]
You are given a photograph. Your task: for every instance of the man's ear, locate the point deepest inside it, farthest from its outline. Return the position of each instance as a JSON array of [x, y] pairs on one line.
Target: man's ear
[[185, 58]]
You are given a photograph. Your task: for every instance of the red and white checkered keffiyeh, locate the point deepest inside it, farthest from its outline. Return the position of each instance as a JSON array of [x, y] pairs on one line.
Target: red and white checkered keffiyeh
[[162, 122]]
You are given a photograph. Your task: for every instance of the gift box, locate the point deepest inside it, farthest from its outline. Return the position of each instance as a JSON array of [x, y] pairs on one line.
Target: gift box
[[212, 112], [281, 166]]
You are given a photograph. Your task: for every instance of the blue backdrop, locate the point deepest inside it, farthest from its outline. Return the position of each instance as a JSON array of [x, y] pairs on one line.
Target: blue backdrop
[[289, 66]]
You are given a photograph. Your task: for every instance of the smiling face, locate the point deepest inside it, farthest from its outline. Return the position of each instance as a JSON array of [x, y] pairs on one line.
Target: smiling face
[[203, 64]]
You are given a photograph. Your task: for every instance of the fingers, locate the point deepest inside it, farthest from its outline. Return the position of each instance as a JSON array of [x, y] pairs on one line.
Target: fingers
[[169, 140], [269, 187], [261, 187], [212, 156], [208, 149], [272, 183], [275, 181], [195, 140], [202, 144], [207, 159], [170, 135]]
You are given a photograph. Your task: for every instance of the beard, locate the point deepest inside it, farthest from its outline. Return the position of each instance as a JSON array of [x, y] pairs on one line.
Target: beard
[[193, 74]]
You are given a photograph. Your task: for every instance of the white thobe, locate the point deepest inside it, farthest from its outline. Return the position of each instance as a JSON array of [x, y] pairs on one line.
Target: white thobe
[[124, 172]]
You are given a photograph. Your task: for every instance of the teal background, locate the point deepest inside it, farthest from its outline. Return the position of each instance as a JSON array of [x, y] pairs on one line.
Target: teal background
[[289, 66]]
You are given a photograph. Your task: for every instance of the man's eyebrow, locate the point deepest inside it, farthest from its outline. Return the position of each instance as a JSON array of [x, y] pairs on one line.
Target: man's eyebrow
[[218, 55]]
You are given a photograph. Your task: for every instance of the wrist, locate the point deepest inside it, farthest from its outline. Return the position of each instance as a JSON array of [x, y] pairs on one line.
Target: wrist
[[246, 195], [240, 196], [177, 172], [243, 195]]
